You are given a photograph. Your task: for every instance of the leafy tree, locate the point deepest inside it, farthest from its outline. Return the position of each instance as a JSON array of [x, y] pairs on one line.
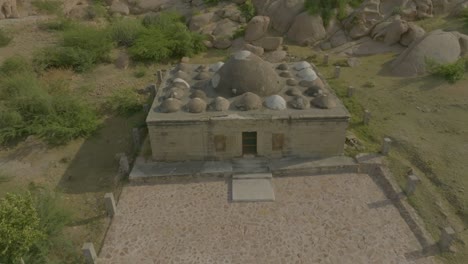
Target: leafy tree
[[19, 227]]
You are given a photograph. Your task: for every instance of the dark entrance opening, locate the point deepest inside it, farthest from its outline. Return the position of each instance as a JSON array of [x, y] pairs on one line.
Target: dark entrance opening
[[249, 143]]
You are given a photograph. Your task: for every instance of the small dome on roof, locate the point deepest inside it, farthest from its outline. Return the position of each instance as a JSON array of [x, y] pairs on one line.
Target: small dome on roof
[[314, 91], [291, 82], [285, 74], [315, 83], [293, 91], [181, 81], [215, 67], [324, 101], [182, 75], [275, 102], [248, 101], [246, 72], [198, 94], [201, 84], [175, 92], [220, 104], [301, 65], [170, 105], [196, 105], [202, 76], [282, 67], [300, 102], [307, 74]]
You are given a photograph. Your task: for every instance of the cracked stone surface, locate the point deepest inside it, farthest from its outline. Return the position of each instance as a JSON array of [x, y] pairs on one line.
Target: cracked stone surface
[[315, 219]]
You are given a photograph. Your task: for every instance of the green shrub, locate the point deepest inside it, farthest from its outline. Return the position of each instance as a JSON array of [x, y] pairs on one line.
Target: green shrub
[[26, 108], [15, 64], [452, 72], [97, 9], [324, 8], [247, 9], [164, 38], [64, 57], [162, 20], [51, 218], [19, 228], [124, 32], [93, 40], [48, 6], [240, 32], [212, 2], [82, 47], [125, 102], [139, 73], [5, 39], [59, 24]]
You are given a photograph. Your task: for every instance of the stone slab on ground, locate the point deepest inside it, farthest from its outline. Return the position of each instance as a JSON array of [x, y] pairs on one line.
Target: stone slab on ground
[[264, 175], [252, 190]]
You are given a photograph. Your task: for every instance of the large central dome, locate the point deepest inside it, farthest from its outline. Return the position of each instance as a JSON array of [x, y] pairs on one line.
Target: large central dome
[[246, 72]]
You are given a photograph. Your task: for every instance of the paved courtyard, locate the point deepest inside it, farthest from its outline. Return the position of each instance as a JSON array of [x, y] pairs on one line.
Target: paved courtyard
[[315, 219]]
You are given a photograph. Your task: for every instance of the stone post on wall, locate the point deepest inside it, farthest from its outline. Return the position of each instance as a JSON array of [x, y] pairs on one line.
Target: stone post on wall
[[411, 183], [366, 118], [159, 75], [109, 202], [350, 91], [326, 59], [337, 72], [124, 165], [386, 144], [136, 139], [446, 238], [89, 253]]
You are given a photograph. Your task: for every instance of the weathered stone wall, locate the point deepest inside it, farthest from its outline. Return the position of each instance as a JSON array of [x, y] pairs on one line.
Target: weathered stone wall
[[175, 141]]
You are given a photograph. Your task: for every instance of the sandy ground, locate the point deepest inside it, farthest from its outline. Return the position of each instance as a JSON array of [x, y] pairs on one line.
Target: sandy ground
[[319, 219]]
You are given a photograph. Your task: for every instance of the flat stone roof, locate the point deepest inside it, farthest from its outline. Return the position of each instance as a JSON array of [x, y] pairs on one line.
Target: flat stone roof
[[191, 71]]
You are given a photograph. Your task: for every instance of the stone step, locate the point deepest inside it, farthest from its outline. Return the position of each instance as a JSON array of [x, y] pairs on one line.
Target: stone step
[[245, 170], [253, 176], [252, 190]]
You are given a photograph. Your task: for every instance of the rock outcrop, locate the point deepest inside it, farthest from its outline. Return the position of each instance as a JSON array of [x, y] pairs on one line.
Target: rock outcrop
[[8, 9], [257, 28], [306, 29], [439, 46], [281, 12]]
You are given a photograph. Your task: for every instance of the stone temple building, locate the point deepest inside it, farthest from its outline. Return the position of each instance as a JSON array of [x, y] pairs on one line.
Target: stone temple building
[[245, 107]]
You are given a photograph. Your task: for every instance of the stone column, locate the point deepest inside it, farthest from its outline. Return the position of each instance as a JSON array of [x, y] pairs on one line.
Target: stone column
[[160, 77], [136, 139], [124, 165], [326, 59], [109, 201], [411, 183], [366, 118], [387, 142], [337, 72], [350, 91], [89, 253], [446, 238]]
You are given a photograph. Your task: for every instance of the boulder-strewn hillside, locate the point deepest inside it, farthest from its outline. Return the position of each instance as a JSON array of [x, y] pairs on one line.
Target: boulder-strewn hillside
[[373, 26]]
